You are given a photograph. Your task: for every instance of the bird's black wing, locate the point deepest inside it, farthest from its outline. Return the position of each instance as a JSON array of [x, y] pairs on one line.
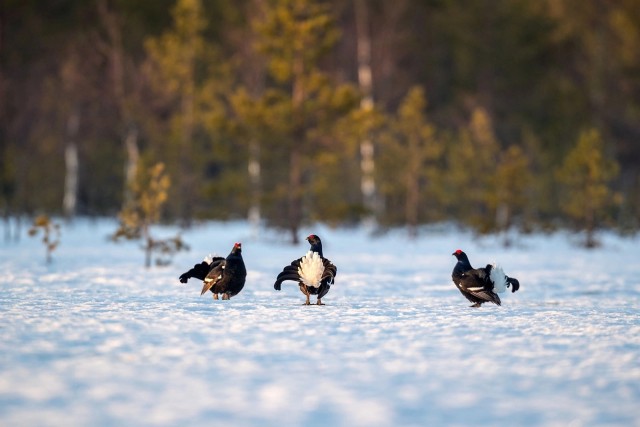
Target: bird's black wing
[[199, 271], [330, 271], [215, 274], [290, 272], [215, 262], [476, 282]]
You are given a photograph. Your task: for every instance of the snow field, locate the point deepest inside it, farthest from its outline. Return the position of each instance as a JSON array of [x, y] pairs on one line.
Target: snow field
[[96, 339]]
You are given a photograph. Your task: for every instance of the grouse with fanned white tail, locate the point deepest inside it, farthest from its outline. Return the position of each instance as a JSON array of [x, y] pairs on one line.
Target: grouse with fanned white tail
[[314, 273], [480, 285], [224, 276]]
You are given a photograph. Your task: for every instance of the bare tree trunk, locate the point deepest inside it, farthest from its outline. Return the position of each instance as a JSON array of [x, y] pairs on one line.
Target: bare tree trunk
[[70, 200], [412, 203], [186, 178], [4, 177], [8, 220], [115, 52], [411, 206], [590, 225], [503, 222], [253, 76], [148, 248], [294, 194], [7, 225], [295, 157], [131, 163], [18, 227], [365, 81], [255, 181]]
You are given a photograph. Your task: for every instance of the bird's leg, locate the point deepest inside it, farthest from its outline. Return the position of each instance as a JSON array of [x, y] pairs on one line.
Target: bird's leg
[[476, 305], [306, 293], [215, 296], [225, 296], [319, 302]]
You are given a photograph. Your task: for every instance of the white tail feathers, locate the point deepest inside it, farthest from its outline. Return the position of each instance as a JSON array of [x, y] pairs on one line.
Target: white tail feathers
[[498, 278], [311, 269]]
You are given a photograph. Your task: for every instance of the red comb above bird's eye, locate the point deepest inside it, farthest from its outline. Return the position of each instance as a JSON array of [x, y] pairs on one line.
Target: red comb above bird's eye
[[458, 251]]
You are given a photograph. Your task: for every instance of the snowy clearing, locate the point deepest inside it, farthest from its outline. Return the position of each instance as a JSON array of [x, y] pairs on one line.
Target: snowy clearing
[[96, 339]]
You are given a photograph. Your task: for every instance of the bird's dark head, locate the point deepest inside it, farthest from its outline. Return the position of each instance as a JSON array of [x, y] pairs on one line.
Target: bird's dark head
[[463, 260], [461, 256], [315, 242], [237, 249], [312, 239]]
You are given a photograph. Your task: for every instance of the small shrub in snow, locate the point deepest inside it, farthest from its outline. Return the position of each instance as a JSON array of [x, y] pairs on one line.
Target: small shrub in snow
[[50, 233], [149, 193]]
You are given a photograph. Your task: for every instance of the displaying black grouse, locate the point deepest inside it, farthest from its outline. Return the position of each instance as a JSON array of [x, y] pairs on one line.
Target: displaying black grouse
[[480, 285], [224, 276], [314, 273]]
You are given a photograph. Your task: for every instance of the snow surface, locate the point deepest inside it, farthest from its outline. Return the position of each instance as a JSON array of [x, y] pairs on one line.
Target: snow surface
[[96, 339]]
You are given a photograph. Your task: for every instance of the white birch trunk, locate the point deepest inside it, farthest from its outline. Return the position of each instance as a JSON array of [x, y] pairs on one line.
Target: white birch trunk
[[131, 163], [255, 179], [114, 50], [70, 200], [365, 81]]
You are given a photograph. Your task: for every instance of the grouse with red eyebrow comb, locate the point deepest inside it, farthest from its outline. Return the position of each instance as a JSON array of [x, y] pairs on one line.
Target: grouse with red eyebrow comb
[[480, 285], [314, 273], [224, 276]]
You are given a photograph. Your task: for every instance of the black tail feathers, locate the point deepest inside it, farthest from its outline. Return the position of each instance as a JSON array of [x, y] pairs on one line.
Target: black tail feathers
[[515, 285]]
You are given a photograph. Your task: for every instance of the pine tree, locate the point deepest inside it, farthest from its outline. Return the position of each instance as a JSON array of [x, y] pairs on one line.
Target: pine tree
[[471, 172], [301, 107], [410, 150], [512, 182], [586, 174], [185, 77]]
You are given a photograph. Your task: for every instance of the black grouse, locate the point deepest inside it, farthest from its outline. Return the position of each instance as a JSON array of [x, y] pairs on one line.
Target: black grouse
[[224, 276], [480, 285], [314, 273]]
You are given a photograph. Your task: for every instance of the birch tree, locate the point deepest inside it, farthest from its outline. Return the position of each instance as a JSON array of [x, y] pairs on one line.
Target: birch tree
[[365, 82], [113, 49], [70, 76]]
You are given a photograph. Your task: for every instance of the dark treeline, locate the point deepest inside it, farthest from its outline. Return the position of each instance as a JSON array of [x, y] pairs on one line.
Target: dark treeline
[[494, 114]]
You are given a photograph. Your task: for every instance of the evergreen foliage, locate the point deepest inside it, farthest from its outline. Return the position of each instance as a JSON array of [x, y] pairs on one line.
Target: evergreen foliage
[[253, 106], [586, 174], [471, 174], [302, 106], [186, 77], [410, 151], [513, 180]]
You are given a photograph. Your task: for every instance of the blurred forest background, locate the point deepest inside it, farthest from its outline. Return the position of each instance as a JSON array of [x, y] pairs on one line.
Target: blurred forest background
[[491, 114]]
